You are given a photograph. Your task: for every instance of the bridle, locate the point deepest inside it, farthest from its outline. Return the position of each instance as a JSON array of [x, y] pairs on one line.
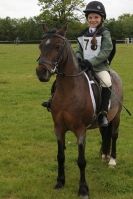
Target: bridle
[[54, 66]]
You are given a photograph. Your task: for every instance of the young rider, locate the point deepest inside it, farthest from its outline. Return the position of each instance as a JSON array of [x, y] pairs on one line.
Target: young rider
[[95, 46]]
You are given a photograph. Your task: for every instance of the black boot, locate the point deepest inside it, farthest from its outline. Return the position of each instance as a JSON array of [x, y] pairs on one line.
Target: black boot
[[47, 104], [102, 116]]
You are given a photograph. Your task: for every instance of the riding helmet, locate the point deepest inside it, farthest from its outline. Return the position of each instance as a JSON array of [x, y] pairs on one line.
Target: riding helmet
[[96, 7]]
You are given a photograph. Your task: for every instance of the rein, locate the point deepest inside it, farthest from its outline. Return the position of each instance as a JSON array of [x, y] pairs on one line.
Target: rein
[[74, 75]]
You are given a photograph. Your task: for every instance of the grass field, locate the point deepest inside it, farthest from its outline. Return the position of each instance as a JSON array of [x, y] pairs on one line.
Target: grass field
[[28, 149]]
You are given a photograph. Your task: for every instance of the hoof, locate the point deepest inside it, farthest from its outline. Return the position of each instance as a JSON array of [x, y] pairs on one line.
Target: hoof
[[59, 185], [112, 163], [83, 191], [84, 197], [105, 158]]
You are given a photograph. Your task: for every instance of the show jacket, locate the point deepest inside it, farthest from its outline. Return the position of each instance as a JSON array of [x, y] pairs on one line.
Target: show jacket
[[99, 57]]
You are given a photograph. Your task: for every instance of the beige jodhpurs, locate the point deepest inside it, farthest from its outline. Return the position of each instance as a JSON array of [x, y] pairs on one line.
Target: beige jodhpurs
[[105, 79]]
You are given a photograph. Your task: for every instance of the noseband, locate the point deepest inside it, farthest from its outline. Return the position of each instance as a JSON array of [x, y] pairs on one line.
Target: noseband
[[54, 65]]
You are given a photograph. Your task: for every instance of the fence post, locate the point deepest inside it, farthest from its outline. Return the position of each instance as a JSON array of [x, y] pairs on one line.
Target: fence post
[[127, 40], [131, 40]]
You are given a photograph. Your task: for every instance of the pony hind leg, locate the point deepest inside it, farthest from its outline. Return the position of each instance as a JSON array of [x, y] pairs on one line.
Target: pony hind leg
[[61, 160], [114, 137], [83, 187], [112, 161], [106, 142]]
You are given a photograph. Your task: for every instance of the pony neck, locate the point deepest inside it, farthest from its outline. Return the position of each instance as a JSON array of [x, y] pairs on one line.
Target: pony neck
[[71, 66], [69, 84]]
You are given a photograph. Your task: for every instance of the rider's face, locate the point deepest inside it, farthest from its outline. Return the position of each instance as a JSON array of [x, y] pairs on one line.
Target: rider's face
[[94, 20]]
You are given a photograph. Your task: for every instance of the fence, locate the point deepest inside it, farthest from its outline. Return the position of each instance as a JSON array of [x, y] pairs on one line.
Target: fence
[[124, 41]]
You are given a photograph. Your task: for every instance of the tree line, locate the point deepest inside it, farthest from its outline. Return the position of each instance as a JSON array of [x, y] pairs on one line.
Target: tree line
[[58, 12]]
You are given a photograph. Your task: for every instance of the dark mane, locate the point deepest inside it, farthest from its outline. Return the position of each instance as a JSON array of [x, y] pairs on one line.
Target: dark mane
[[50, 32]]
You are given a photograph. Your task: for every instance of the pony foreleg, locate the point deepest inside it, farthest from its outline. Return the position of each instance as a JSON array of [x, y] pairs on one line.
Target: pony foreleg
[[61, 160], [83, 187]]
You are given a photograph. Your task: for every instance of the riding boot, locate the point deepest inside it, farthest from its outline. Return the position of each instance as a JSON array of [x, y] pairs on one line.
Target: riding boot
[[102, 116], [47, 104]]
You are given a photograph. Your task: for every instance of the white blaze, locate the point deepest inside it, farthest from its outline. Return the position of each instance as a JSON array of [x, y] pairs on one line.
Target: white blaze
[[47, 42]]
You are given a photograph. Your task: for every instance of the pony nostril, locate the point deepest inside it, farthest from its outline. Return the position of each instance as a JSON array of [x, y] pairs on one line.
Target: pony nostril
[[38, 73], [41, 60]]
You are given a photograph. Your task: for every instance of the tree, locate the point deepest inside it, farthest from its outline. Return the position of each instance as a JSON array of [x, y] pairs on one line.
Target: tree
[[8, 29], [121, 28], [29, 29], [127, 24], [60, 11]]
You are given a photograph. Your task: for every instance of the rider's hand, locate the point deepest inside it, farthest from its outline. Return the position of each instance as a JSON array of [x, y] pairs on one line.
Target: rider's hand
[[85, 64]]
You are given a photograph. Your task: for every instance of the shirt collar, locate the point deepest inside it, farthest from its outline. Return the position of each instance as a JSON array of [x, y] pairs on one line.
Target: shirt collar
[[92, 30]]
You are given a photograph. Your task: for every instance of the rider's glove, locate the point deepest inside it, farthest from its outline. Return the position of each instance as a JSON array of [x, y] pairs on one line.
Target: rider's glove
[[85, 64]]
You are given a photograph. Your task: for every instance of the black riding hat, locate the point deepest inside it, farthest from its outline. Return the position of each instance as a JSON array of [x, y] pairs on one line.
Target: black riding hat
[[96, 7]]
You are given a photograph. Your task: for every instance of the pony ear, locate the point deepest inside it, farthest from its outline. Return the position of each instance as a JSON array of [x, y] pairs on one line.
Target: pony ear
[[45, 28], [63, 30]]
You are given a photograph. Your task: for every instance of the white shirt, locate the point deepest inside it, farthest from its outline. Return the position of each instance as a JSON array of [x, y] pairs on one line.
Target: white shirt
[[92, 30]]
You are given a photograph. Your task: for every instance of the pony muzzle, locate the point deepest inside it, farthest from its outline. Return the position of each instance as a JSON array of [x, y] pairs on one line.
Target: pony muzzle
[[43, 74]]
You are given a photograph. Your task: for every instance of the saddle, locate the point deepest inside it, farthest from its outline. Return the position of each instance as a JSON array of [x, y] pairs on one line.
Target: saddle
[[96, 88]]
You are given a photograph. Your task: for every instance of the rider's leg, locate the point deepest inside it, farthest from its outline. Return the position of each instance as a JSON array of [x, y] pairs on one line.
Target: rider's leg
[[105, 81]]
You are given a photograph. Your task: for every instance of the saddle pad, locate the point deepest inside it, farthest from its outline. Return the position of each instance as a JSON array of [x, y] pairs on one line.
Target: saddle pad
[[90, 82]]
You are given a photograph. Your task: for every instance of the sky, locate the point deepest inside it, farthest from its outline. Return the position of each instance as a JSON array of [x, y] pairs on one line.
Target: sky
[[30, 8]]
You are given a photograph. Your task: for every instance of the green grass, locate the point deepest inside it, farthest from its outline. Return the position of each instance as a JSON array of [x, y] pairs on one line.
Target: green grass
[[28, 149]]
